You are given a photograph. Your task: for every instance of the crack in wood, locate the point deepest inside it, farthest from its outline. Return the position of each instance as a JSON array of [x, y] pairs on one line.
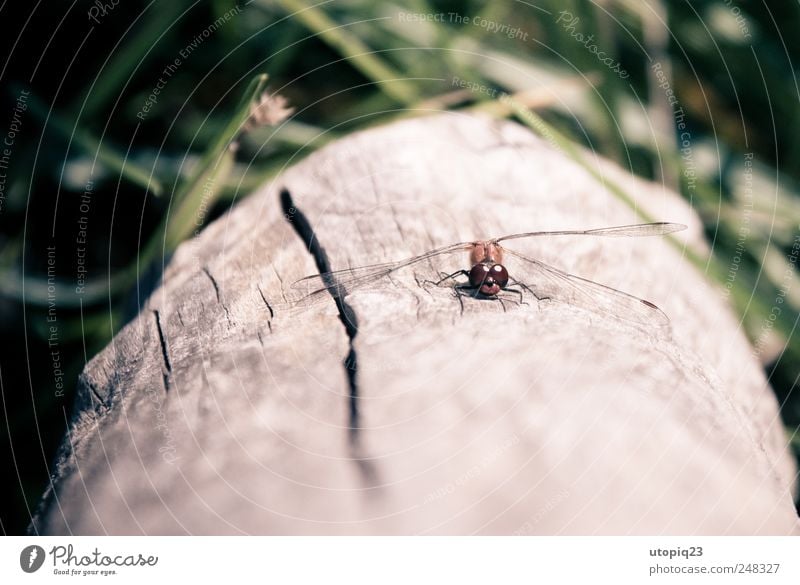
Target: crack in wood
[[93, 389], [219, 297], [269, 308], [213, 283], [266, 302], [164, 351], [347, 316], [280, 281]]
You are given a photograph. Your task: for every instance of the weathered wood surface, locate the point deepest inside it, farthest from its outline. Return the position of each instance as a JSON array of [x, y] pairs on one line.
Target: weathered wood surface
[[214, 413]]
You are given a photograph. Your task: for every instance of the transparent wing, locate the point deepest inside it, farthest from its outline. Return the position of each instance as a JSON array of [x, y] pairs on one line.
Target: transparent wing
[[641, 229], [544, 281], [338, 283]]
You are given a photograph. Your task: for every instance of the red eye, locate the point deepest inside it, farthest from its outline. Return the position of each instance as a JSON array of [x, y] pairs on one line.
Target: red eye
[[478, 274], [500, 275]]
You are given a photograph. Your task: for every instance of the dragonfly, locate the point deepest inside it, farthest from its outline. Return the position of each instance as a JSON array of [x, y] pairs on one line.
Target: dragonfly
[[497, 270]]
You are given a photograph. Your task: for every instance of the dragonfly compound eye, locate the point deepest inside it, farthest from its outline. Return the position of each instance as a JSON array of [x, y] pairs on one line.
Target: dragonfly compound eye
[[478, 275], [500, 275]]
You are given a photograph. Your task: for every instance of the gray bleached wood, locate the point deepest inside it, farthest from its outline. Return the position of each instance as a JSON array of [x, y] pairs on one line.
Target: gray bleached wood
[[221, 409]]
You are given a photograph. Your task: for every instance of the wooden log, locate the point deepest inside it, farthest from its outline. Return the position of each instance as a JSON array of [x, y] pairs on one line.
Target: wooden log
[[224, 408]]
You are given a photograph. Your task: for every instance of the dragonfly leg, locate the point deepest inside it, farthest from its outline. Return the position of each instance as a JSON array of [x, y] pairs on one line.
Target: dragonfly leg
[[458, 292], [516, 291], [502, 304], [444, 276], [528, 289], [461, 290]]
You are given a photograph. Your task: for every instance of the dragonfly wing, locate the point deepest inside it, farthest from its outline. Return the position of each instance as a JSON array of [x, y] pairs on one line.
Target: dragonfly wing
[[317, 287], [544, 281], [637, 230], [341, 282]]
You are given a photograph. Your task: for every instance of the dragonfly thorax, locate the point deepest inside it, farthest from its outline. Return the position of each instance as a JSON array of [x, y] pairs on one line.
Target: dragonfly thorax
[[488, 252]]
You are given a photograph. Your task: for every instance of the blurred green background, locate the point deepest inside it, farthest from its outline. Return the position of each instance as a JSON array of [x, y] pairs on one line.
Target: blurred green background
[[119, 116]]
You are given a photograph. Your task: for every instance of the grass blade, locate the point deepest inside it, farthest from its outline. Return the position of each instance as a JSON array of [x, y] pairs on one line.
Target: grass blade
[[358, 54]]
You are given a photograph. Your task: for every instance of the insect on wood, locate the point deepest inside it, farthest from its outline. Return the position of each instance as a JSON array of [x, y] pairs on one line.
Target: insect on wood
[[496, 269]]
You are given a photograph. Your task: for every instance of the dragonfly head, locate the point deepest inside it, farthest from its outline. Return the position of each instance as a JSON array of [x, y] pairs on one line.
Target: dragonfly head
[[488, 278]]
